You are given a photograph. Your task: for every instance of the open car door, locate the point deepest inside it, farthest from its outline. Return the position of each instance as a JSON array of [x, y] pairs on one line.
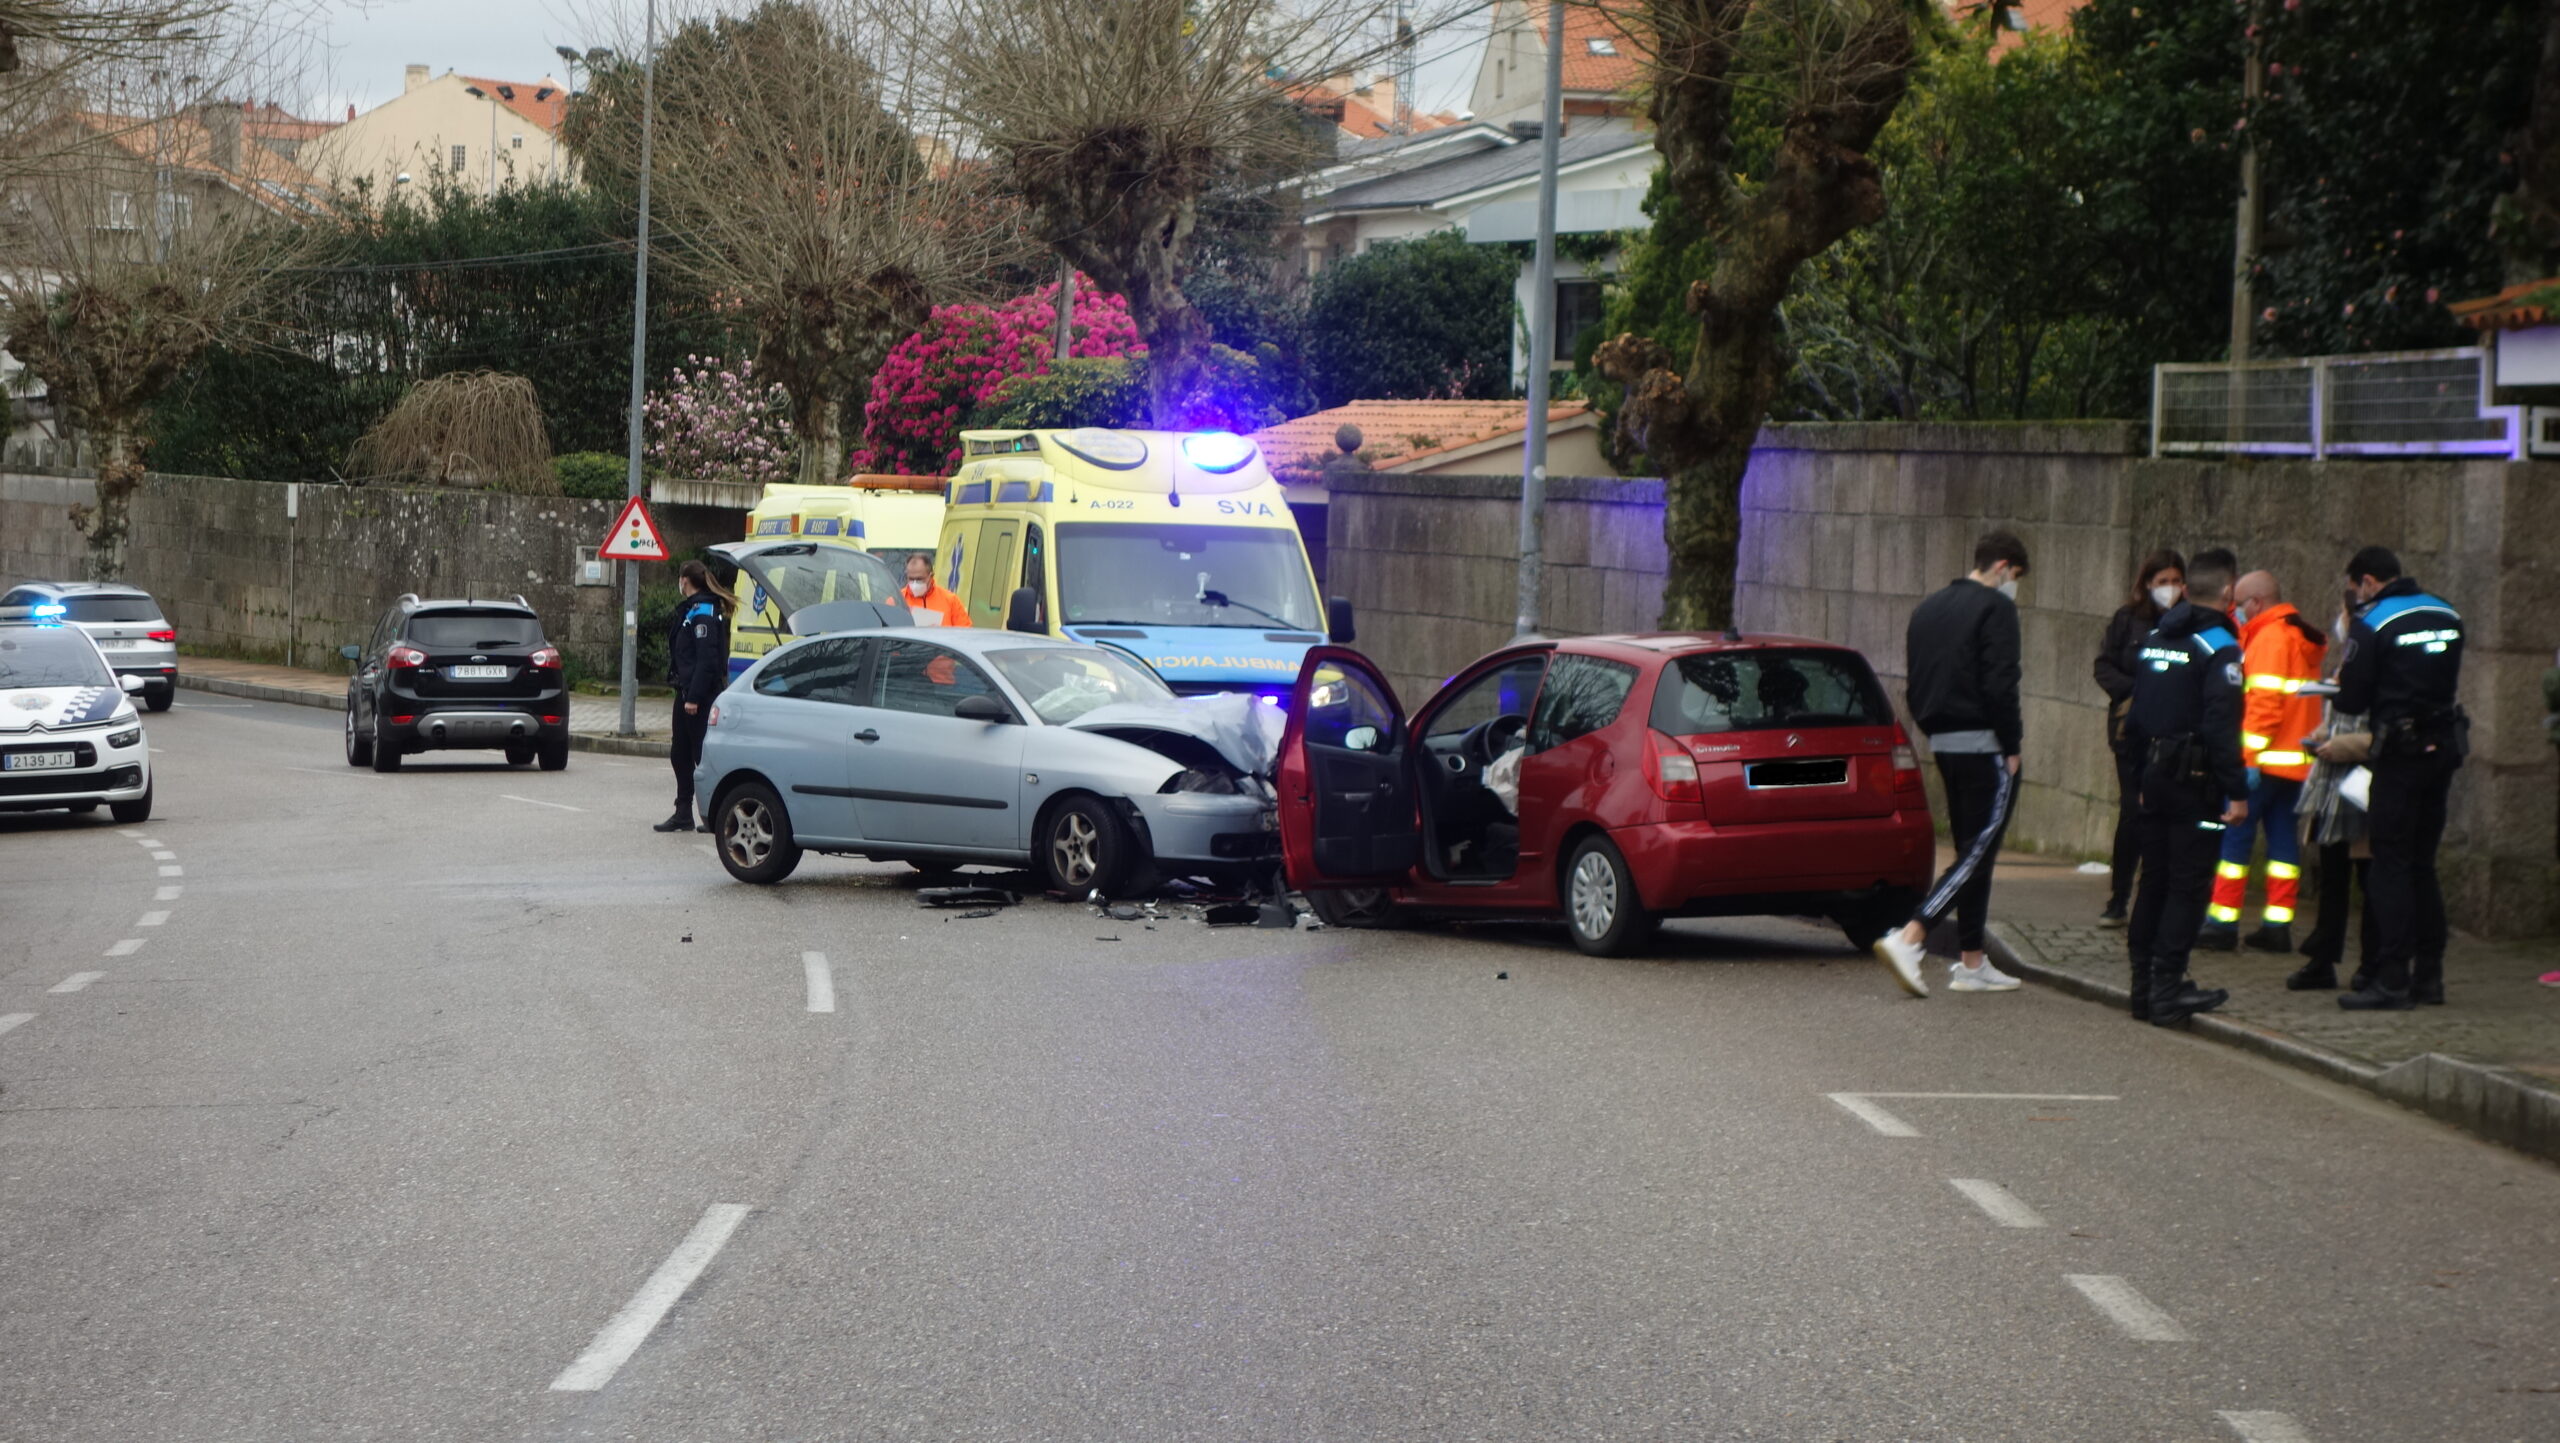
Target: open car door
[[1345, 777]]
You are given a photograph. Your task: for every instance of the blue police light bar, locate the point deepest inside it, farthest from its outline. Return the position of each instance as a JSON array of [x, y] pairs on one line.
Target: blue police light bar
[[49, 608], [1217, 451]]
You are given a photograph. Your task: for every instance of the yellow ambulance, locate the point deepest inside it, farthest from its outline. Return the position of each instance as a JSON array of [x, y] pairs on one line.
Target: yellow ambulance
[[1175, 546], [890, 516]]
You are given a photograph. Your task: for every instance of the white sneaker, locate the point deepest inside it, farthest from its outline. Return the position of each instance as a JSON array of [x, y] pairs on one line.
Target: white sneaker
[[1903, 960], [1985, 978]]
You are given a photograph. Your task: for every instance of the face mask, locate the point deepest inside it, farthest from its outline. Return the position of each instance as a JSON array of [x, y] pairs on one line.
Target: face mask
[[2164, 597], [918, 588], [2009, 588]]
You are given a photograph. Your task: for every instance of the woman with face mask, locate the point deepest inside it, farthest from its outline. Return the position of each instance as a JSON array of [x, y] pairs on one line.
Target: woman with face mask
[[2159, 584]]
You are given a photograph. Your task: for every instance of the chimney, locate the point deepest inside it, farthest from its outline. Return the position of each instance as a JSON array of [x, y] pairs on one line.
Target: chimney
[[351, 110], [221, 122], [416, 76]]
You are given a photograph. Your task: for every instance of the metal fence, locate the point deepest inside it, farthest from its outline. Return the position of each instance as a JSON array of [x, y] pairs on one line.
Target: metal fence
[[2399, 403]]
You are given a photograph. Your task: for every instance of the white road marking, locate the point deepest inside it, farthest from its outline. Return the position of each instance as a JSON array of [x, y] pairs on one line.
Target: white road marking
[[2139, 1318], [170, 871], [75, 981], [627, 1330], [2002, 1205], [152, 919], [12, 1019], [140, 840], [1873, 1116], [321, 771], [2256, 1427], [531, 802], [822, 981], [125, 948], [164, 855], [167, 894], [128, 831]]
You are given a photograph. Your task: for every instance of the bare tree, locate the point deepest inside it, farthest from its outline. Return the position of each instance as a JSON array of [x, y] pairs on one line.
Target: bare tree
[[1113, 119], [469, 428], [1835, 70], [796, 186]]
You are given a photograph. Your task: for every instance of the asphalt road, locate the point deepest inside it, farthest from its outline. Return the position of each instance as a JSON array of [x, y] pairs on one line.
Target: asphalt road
[[456, 1104]]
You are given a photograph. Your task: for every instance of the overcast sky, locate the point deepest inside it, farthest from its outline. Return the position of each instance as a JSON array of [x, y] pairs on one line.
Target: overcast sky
[[366, 45]]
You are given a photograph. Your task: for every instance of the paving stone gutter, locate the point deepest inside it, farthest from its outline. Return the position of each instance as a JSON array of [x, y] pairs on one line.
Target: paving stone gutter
[[580, 741]]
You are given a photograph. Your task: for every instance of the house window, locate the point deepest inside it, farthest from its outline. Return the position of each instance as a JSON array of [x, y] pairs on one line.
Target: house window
[[1601, 45], [517, 143], [461, 158], [120, 210], [1578, 306]]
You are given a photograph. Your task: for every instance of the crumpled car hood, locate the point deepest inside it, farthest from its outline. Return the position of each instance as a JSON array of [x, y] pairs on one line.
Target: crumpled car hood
[[1239, 727]]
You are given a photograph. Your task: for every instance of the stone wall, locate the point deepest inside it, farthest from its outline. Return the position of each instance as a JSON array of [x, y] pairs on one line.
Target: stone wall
[[1845, 527], [215, 552]]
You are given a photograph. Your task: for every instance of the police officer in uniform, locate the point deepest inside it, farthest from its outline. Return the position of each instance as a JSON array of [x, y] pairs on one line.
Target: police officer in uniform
[[2404, 661], [698, 667], [2185, 728]]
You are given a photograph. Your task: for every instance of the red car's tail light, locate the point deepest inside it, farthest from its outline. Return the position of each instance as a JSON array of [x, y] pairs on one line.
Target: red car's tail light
[[404, 658], [546, 659], [1673, 772], [1906, 763], [162, 635]]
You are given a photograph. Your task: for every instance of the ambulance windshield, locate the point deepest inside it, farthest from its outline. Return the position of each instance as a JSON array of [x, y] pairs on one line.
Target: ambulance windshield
[[1145, 574]]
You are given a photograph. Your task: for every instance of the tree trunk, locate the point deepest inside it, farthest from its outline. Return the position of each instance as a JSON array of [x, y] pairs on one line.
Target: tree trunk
[[110, 523], [821, 443]]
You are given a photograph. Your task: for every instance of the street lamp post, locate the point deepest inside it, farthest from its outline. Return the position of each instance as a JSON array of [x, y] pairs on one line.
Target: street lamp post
[[639, 368], [1542, 333]]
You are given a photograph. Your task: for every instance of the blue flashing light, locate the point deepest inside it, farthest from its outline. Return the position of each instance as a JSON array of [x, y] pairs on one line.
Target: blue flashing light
[[1270, 699], [49, 608], [1217, 451]]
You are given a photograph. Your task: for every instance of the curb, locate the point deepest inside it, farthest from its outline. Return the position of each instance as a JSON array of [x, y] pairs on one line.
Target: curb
[[291, 696], [2502, 1105]]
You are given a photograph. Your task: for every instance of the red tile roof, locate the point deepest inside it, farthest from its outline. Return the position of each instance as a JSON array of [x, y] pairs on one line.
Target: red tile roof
[[545, 102], [263, 176], [1395, 433], [1600, 55], [2529, 304]]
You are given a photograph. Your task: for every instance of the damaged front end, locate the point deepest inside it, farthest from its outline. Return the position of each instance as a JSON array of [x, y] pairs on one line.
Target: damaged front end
[[1219, 805]]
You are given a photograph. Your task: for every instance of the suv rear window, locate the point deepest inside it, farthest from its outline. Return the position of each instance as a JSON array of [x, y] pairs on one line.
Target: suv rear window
[[443, 629], [1741, 691], [110, 608]]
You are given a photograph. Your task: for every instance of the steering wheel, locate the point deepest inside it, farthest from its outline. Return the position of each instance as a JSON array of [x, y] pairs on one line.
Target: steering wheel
[[1488, 740]]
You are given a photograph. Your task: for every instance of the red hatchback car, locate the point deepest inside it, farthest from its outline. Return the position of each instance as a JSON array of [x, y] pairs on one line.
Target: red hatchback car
[[1664, 775]]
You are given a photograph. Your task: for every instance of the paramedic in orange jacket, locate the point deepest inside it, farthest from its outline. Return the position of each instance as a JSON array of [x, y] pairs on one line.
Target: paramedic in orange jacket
[[2280, 655], [932, 604]]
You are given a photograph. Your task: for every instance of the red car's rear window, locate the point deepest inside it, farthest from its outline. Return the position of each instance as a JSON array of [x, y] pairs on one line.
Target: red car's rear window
[[1740, 691]]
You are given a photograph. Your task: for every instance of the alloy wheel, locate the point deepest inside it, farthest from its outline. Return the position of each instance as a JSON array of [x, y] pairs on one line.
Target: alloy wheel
[[1074, 850], [1594, 895], [748, 835]]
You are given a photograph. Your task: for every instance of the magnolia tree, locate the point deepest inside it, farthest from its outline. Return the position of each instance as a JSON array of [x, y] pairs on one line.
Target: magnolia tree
[[935, 379], [716, 422]]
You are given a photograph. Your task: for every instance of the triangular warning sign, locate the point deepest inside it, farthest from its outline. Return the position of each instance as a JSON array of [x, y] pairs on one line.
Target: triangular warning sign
[[634, 536]]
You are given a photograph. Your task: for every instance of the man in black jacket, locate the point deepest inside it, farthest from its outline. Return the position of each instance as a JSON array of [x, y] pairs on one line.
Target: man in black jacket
[[1962, 658], [2185, 725]]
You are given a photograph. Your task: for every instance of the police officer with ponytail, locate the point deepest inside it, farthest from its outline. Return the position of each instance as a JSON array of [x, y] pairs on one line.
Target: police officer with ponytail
[[698, 667], [2185, 725]]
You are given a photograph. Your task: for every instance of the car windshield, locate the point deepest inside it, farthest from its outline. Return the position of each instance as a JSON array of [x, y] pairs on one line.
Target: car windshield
[[1146, 574], [803, 576], [1740, 691], [110, 608], [446, 629], [1064, 682], [49, 656]]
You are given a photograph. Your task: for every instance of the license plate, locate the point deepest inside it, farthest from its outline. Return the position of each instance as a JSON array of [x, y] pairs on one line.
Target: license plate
[[479, 673], [111, 645], [39, 761]]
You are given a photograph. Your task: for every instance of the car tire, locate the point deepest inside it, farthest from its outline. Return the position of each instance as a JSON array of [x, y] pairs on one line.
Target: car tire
[[386, 746], [752, 834], [1084, 848], [1363, 908], [359, 744], [1874, 916], [160, 698], [520, 754], [1601, 908], [137, 810], [553, 752]]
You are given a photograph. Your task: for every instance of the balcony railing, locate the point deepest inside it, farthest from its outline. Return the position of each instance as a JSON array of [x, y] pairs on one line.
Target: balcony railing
[[2398, 403]]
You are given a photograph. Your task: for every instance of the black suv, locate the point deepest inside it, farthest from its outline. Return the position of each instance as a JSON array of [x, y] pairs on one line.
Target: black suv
[[441, 674]]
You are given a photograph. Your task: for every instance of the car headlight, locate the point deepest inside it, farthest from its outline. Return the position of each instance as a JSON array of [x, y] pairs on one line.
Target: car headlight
[[124, 738]]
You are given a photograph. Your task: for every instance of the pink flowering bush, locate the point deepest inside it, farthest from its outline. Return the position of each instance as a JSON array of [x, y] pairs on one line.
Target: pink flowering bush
[[714, 422], [934, 380]]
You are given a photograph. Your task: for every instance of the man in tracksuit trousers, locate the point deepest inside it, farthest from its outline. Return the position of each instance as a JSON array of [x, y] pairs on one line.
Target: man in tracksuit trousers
[[1962, 658]]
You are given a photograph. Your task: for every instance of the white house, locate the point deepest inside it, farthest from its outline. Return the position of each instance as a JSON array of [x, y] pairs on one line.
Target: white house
[[486, 134]]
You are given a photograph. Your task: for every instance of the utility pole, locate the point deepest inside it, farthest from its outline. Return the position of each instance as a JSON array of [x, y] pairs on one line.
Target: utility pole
[[1542, 335], [2244, 244], [639, 370]]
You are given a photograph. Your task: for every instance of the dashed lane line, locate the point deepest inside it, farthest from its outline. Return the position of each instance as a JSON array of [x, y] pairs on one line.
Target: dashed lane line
[[167, 894], [164, 856], [12, 1019], [1872, 1115], [153, 919], [125, 948], [535, 802], [167, 870], [822, 981], [1998, 1203], [2259, 1427], [75, 982], [623, 1334], [1861, 1106], [2136, 1316], [133, 832]]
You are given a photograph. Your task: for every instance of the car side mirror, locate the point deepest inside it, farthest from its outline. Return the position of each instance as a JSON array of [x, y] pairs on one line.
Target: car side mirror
[[982, 708], [1337, 619], [1022, 611], [1360, 739], [132, 685], [351, 652]]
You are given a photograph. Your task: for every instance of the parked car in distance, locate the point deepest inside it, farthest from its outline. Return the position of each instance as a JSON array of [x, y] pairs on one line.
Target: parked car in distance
[[69, 734], [124, 621], [1660, 775], [453, 674], [946, 747]]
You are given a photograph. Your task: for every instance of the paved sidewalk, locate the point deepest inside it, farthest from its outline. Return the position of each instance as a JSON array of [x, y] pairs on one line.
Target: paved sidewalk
[[591, 718], [2489, 1059]]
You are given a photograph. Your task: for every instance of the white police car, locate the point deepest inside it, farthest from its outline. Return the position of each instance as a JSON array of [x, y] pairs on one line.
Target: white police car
[[69, 734]]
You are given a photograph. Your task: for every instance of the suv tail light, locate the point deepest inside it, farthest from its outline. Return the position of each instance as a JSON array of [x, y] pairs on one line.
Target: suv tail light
[[544, 659], [404, 658], [164, 634], [1673, 772]]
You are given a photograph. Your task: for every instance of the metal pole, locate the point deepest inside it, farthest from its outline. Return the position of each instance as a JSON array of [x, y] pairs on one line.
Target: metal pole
[[1542, 332], [2244, 243], [1063, 330], [639, 368]]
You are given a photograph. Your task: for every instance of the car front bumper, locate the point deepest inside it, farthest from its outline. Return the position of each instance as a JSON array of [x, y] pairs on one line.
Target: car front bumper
[[1209, 827], [117, 774]]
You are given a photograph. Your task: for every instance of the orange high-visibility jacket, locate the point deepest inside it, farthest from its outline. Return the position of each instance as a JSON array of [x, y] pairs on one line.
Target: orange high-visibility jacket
[[2281, 653]]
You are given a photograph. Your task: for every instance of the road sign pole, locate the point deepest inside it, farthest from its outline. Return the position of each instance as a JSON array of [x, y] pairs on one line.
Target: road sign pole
[[639, 366]]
